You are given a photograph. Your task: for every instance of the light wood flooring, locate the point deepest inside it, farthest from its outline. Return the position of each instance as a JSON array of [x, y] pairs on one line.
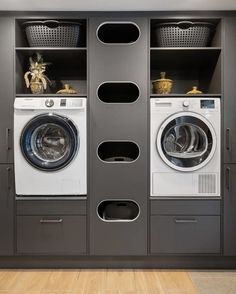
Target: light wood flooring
[[95, 282], [110, 281]]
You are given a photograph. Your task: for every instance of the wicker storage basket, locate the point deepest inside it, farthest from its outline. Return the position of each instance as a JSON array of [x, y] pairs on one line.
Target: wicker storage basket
[[52, 33], [183, 34]]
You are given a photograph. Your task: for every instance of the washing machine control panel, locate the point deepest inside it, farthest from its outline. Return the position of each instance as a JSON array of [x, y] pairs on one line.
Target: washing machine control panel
[[49, 103], [60, 103]]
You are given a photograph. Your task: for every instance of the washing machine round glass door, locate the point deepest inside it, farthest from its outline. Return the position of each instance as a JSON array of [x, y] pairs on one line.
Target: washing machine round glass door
[[186, 141], [49, 142]]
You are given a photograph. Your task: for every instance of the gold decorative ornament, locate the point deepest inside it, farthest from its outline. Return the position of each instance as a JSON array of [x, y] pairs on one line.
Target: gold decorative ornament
[[67, 90], [194, 91], [162, 85], [38, 80]]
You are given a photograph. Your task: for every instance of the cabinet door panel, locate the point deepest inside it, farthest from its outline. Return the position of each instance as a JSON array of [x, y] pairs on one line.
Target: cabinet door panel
[[51, 234], [229, 91], [6, 89], [6, 209], [185, 234], [229, 210]]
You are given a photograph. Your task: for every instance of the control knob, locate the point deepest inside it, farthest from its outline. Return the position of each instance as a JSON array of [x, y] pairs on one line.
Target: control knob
[[186, 103], [49, 103]]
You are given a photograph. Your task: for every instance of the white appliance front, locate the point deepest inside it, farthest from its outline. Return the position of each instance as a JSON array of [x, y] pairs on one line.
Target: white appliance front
[[185, 147], [50, 142]]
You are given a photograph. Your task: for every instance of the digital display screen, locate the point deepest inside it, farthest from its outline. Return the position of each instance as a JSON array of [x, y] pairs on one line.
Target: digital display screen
[[208, 104], [63, 102]]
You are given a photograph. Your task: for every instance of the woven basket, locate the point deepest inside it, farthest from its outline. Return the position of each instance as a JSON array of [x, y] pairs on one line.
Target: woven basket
[[184, 34], [52, 33]]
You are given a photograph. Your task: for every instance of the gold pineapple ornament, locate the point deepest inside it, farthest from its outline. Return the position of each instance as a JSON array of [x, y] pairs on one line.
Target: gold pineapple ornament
[[35, 78]]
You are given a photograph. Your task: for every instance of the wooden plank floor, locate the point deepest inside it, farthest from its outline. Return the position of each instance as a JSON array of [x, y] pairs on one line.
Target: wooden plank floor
[[105, 281]]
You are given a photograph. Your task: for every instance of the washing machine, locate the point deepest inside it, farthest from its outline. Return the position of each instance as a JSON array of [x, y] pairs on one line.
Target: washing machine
[[50, 141], [185, 147]]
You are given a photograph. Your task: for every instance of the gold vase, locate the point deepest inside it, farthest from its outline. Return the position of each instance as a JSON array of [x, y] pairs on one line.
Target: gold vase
[[162, 85]]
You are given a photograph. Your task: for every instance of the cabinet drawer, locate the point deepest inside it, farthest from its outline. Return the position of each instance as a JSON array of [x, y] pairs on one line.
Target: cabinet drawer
[[185, 234], [185, 207], [51, 234], [51, 207]]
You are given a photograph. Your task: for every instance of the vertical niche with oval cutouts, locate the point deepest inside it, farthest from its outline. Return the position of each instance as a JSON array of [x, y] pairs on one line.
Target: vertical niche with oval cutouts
[[118, 151], [118, 92], [118, 32]]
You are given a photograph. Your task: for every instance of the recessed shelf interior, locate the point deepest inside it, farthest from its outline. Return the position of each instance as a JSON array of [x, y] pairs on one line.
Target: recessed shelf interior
[[215, 37], [67, 66], [118, 92], [188, 67], [118, 151], [118, 210], [21, 39], [118, 32]]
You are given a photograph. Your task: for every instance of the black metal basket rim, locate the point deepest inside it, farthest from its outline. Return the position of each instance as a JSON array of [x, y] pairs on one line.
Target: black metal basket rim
[[44, 22], [211, 25]]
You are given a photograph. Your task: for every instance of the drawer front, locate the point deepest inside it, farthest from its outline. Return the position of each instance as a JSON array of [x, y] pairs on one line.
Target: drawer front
[[185, 234], [185, 207], [51, 207], [51, 235]]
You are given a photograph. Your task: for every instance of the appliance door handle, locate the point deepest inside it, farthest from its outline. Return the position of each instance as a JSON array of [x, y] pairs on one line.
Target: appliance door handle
[[185, 221], [7, 139], [228, 139], [51, 221], [227, 179], [8, 169]]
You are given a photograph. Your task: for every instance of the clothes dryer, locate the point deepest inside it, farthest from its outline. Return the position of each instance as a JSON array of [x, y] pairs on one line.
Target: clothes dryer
[[185, 147]]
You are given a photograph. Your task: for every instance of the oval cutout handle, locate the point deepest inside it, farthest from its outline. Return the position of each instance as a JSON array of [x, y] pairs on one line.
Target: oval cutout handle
[[184, 25], [51, 24]]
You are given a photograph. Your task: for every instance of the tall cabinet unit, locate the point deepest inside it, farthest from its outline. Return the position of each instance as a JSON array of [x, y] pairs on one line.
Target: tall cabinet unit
[[118, 135], [229, 138], [6, 130], [180, 224], [52, 225]]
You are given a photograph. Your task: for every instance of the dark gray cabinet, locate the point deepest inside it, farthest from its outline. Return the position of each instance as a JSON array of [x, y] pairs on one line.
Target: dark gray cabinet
[[51, 234], [6, 209], [185, 227], [229, 210], [118, 86], [51, 227], [6, 88], [229, 137], [185, 234], [229, 90]]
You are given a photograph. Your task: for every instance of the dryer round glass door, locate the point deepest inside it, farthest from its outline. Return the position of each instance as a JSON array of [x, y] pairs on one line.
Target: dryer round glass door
[[186, 141], [49, 142]]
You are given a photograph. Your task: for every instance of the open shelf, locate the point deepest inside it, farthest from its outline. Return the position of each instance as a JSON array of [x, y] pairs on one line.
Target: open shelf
[[67, 66], [188, 67], [118, 210]]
